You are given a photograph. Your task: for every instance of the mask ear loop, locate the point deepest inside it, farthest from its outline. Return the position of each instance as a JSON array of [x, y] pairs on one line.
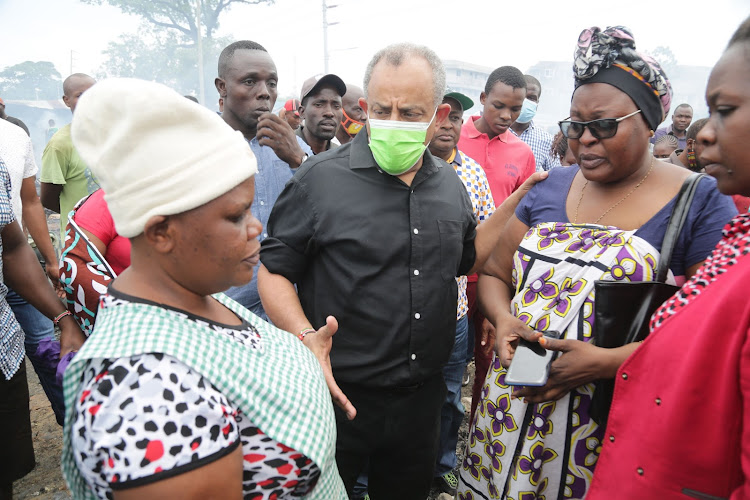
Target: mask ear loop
[[349, 121]]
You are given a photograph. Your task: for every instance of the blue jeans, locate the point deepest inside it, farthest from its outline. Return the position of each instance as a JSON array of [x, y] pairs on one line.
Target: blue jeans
[[452, 413], [36, 327]]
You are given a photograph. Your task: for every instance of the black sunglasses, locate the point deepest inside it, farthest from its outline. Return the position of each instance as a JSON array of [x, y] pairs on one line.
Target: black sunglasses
[[603, 128]]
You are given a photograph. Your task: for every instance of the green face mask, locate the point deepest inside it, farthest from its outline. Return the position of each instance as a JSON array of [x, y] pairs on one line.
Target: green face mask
[[397, 146]]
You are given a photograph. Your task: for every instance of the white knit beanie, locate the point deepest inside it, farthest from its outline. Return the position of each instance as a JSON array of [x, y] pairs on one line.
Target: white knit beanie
[[154, 152]]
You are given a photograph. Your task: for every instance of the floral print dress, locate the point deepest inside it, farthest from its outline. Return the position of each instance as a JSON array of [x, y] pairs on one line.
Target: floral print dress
[[549, 450]]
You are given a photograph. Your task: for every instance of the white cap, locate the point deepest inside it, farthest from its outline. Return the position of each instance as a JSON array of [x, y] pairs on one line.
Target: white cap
[[154, 152]]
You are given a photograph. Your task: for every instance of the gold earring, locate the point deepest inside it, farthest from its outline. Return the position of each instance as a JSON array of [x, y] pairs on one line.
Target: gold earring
[[652, 133]]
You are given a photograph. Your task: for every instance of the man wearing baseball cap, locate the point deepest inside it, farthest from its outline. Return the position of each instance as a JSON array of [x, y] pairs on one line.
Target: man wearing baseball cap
[[321, 109], [290, 113], [443, 145]]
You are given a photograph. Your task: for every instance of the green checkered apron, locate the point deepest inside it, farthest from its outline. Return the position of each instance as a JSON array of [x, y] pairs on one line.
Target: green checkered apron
[[281, 389]]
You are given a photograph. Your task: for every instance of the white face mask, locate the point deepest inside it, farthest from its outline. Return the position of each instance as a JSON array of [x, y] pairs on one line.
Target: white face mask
[[528, 111]]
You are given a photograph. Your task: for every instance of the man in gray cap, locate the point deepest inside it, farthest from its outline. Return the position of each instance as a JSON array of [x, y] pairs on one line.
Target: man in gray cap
[[320, 108]]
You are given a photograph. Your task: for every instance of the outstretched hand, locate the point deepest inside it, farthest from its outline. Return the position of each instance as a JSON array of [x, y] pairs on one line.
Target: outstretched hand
[[320, 343]]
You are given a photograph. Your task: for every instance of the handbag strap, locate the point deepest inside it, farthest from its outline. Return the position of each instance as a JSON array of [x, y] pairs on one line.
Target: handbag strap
[[676, 221]]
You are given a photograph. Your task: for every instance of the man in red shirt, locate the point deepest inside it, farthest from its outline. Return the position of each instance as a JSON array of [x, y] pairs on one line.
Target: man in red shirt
[[508, 162]]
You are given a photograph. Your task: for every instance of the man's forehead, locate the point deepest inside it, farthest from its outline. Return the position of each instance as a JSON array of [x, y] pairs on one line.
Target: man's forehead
[[408, 83], [248, 61]]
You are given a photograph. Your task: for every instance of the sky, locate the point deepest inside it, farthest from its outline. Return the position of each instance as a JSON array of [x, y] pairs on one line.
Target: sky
[[487, 32]]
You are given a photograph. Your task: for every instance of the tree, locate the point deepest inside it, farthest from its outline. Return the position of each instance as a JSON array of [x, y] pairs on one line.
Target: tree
[[157, 55], [179, 16], [665, 57], [31, 80]]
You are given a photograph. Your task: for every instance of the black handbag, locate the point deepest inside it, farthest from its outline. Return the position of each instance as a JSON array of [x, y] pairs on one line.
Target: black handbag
[[622, 309]]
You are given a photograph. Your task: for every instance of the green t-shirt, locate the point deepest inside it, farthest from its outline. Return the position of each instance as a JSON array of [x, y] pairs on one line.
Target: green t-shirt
[[62, 165]]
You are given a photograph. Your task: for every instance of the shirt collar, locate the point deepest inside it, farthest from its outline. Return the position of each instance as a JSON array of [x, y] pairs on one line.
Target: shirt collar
[[473, 132], [361, 156], [457, 159]]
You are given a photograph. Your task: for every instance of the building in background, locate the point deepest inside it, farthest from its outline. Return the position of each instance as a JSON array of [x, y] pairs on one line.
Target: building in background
[[467, 78]]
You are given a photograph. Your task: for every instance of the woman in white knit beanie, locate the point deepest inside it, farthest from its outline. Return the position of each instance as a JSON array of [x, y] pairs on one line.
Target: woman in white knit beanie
[[180, 392]]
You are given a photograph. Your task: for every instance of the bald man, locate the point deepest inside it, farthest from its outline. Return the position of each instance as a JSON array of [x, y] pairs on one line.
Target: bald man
[[354, 117], [65, 178]]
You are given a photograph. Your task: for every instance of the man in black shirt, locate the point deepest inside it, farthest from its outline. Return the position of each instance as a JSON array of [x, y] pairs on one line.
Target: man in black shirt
[[373, 235]]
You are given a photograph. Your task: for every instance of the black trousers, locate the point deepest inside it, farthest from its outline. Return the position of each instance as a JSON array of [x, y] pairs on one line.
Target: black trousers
[[17, 451], [397, 431]]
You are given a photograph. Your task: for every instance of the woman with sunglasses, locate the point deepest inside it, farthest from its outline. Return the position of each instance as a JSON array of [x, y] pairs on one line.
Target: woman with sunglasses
[[678, 427], [602, 219]]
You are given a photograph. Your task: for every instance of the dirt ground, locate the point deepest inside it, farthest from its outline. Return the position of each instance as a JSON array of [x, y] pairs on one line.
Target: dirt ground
[[45, 482]]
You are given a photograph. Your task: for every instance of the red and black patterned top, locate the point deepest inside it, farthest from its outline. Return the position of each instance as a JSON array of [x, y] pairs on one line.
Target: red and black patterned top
[[145, 418]]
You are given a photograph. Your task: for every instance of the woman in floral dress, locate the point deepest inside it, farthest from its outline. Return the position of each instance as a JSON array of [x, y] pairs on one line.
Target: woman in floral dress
[[602, 219]]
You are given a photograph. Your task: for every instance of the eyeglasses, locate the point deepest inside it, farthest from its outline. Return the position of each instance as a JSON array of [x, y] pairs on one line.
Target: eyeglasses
[[603, 128]]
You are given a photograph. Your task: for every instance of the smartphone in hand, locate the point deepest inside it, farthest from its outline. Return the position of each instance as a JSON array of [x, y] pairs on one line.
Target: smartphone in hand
[[530, 365]]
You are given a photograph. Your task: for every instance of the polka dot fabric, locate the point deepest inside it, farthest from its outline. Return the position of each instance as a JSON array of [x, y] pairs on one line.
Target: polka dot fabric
[[145, 418]]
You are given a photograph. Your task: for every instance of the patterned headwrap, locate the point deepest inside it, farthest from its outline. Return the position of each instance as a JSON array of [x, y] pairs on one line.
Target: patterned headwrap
[[609, 56]]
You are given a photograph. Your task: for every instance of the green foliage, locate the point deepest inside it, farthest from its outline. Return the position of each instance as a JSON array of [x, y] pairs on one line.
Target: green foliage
[[31, 80], [178, 15], [158, 55]]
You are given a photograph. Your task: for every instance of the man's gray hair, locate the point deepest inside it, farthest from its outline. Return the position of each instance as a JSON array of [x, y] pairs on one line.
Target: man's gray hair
[[397, 53]]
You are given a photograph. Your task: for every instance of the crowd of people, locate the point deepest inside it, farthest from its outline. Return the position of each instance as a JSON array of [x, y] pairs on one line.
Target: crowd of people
[[264, 306]]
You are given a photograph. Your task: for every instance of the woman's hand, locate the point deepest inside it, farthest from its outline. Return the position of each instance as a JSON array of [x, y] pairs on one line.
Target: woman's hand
[[508, 331], [579, 364], [487, 336]]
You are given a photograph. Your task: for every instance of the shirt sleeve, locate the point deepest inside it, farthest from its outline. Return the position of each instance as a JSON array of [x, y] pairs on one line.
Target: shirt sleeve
[[54, 165], [94, 217], [6, 208], [29, 164], [486, 202], [146, 418], [708, 215], [523, 210], [291, 227]]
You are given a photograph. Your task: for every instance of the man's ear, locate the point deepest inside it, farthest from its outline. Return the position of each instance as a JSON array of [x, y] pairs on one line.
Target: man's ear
[[159, 233], [482, 98], [65, 100], [221, 87], [301, 111], [363, 105]]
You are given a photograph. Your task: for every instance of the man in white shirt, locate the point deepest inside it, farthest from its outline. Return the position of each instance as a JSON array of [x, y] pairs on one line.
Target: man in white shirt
[[18, 156]]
